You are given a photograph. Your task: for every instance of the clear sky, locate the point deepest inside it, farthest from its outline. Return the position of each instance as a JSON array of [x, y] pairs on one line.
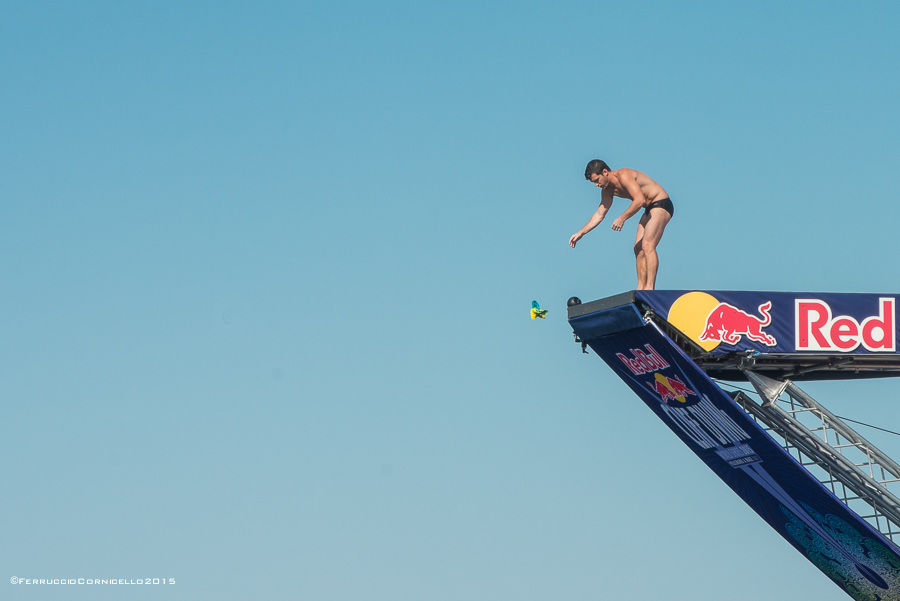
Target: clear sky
[[268, 269]]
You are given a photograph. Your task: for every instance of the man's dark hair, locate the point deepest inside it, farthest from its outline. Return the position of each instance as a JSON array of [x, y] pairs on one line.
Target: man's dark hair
[[595, 167]]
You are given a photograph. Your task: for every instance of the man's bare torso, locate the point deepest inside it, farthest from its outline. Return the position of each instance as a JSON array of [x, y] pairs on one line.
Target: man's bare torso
[[649, 188]]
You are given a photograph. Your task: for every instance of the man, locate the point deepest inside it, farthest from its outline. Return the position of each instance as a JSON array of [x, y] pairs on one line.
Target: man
[[644, 193]]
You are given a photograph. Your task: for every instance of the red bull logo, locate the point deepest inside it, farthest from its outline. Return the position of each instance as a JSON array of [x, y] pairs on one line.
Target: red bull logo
[[726, 323], [671, 389], [710, 322], [818, 330]]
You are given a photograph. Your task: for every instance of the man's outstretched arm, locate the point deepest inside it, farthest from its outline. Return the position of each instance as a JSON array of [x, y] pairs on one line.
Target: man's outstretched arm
[[595, 220]]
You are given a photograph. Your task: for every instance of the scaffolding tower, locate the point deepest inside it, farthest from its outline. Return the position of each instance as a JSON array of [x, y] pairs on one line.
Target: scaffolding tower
[[859, 474]]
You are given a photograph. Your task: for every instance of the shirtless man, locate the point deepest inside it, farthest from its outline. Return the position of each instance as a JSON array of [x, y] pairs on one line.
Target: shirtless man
[[644, 193]]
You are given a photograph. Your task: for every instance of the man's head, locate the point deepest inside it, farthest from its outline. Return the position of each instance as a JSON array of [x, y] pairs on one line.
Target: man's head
[[597, 172]]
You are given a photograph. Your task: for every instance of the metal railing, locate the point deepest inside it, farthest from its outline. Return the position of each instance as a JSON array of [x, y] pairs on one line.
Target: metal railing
[[859, 474]]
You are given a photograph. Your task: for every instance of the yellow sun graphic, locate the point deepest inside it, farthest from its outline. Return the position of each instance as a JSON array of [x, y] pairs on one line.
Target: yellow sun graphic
[[689, 314]]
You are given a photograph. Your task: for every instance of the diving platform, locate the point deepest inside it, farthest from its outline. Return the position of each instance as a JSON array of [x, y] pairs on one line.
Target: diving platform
[[820, 484]]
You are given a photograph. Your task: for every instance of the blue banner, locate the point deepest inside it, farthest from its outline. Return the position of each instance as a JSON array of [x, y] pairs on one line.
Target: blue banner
[[790, 499], [780, 322]]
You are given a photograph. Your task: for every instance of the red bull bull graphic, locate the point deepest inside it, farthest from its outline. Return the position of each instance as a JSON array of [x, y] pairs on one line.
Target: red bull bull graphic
[[818, 330], [671, 389], [726, 323]]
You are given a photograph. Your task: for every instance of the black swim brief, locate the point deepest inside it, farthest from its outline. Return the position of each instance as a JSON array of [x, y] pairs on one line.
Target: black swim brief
[[665, 203]]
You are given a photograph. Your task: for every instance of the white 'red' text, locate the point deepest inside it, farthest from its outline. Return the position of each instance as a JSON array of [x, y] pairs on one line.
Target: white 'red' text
[[818, 330]]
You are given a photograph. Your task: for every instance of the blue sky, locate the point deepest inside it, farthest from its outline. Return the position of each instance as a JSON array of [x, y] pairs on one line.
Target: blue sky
[[268, 271]]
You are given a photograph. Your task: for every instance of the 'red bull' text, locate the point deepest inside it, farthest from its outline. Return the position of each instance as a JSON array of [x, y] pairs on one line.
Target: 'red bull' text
[[644, 361]]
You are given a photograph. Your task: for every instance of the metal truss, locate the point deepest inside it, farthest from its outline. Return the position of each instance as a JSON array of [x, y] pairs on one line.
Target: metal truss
[[865, 479]]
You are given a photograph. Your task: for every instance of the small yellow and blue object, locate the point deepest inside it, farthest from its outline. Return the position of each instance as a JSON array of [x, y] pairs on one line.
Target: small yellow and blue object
[[536, 311]]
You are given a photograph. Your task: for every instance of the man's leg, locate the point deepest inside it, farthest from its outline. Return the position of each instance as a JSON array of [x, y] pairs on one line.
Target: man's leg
[[653, 231], [639, 256]]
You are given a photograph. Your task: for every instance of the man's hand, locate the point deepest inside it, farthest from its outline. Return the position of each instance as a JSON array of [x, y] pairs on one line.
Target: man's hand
[[618, 223], [575, 238]]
